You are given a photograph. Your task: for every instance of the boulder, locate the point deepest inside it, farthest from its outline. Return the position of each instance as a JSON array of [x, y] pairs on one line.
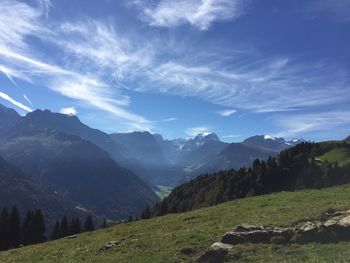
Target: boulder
[[255, 234], [216, 253], [336, 228], [107, 246]]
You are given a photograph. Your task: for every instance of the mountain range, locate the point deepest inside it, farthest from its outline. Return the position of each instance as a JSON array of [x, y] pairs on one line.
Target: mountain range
[[47, 148], [113, 175]]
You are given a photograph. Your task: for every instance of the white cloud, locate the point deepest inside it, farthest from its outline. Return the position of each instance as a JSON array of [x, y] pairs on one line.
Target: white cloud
[[198, 13], [169, 119], [7, 72], [93, 51], [69, 111], [17, 20], [6, 97], [230, 136], [95, 64], [298, 124], [226, 113], [266, 86], [198, 130], [27, 99]]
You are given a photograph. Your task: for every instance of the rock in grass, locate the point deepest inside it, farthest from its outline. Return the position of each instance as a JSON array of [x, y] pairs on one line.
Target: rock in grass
[[216, 253], [107, 246]]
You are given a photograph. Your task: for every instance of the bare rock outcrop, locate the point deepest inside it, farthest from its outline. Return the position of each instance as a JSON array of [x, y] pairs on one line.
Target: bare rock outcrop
[[335, 227]]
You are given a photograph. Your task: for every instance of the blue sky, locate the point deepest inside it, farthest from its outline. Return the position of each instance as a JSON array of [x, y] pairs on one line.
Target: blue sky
[[234, 67]]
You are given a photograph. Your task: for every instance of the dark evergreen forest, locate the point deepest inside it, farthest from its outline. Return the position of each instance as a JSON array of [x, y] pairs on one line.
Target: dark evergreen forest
[[15, 233], [293, 169]]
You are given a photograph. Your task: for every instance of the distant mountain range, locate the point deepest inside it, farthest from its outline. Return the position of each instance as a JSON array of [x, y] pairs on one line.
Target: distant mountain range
[[86, 166], [48, 149], [171, 162]]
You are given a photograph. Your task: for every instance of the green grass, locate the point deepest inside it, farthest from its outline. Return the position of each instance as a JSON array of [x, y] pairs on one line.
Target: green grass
[[342, 156], [162, 239]]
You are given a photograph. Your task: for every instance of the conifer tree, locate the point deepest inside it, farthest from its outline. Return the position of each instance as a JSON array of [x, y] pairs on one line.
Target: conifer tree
[[4, 229], [28, 229], [64, 229], [39, 227], [15, 228], [146, 213], [56, 231], [89, 224], [77, 225], [104, 223]]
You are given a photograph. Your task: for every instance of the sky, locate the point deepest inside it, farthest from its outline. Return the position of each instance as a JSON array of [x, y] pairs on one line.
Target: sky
[[234, 67]]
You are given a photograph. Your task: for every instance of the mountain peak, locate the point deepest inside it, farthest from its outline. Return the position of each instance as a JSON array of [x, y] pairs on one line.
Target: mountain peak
[[212, 136], [5, 109], [296, 141], [206, 137], [269, 137], [7, 115], [49, 119]]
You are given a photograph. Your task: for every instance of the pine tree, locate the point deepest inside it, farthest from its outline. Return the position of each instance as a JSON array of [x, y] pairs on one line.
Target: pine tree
[[64, 229], [104, 223], [146, 213], [56, 231], [4, 229], [89, 224], [39, 227], [72, 226], [130, 218], [77, 225], [28, 228], [15, 228]]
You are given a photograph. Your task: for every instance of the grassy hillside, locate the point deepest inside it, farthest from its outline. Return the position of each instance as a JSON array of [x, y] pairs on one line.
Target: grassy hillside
[[341, 155], [164, 239]]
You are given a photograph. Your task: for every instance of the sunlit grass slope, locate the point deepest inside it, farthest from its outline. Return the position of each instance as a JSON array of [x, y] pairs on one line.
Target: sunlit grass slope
[[342, 156], [183, 237]]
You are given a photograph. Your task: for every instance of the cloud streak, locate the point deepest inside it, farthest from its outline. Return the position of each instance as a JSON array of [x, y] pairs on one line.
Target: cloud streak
[[96, 64], [198, 13], [14, 102], [194, 131], [27, 99], [298, 124], [169, 119], [226, 113], [81, 78]]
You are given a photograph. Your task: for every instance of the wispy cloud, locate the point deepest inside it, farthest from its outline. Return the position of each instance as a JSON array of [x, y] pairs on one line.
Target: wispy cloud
[[95, 64], [230, 136], [92, 48], [7, 72], [169, 119], [300, 124], [198, 13], [198, 130], [339, 10], [69, 111], [16, 103], [226, 113], [27, 99]]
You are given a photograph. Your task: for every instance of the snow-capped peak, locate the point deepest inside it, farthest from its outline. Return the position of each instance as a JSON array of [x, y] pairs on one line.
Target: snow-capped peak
[[269, 137]]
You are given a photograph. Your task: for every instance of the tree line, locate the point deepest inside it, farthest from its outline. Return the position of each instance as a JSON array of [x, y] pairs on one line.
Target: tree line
[[62, 228], [293, 169], [15, 233]]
